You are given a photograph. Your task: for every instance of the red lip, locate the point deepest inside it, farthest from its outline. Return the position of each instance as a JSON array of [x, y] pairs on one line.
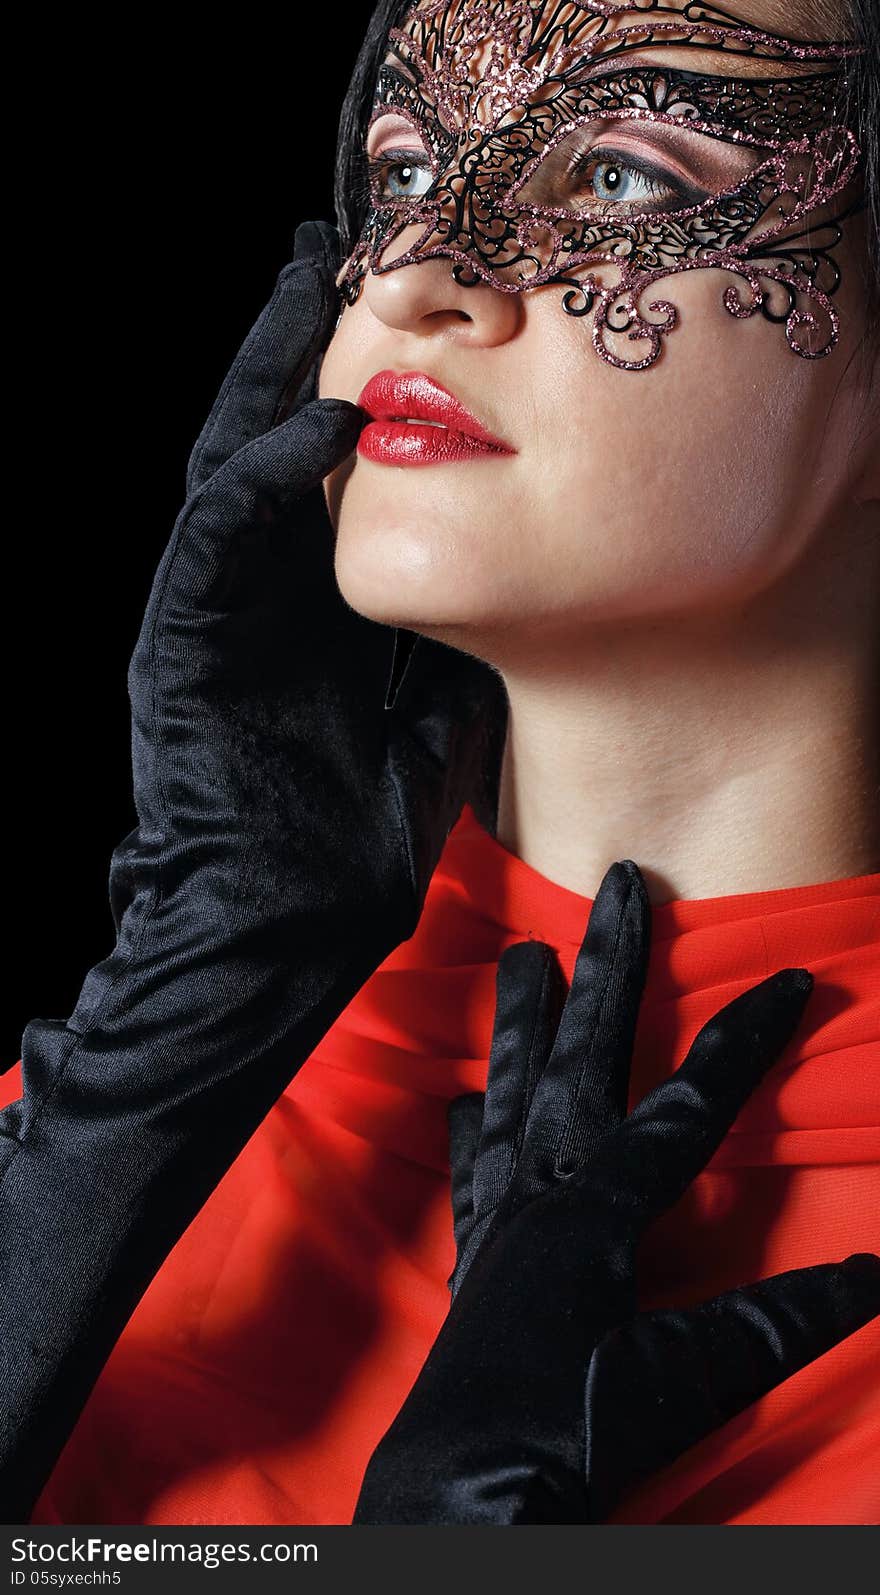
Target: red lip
[[391, 397]]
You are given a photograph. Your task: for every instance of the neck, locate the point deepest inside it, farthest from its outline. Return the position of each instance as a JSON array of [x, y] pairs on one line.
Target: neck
[[737, 752]]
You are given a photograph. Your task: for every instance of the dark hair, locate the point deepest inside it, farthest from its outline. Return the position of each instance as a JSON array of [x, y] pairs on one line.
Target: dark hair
[[350, 188], [864, 117], [861, 23]]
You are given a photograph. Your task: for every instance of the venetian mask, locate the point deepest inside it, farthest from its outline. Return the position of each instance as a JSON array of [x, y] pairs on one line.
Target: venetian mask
[[544, 150]]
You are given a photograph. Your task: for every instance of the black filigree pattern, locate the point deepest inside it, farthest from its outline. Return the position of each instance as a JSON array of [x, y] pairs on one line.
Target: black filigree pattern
[[491, 87]]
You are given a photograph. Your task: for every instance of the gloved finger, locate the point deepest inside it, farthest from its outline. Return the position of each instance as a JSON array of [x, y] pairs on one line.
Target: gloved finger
[[673, 1132], [201, 561], [582, 1094], [529, 995], [318, 242], [464, 1117], [275, 357], [530, 992], [278, 470], [288, 462], [657, 1385]]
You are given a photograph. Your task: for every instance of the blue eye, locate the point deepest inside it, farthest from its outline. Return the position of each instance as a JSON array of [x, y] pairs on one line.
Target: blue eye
[[613, 181], [400, 174]]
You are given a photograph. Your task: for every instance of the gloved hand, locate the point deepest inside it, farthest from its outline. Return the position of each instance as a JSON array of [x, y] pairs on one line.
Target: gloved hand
[[546, 1393], [288, 825]]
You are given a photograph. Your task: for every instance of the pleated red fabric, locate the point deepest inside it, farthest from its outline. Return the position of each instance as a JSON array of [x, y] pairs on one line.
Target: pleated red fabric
[[278, 1340]]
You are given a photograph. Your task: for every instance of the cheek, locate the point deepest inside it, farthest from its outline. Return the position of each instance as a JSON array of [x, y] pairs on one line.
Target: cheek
[[701, 478], [336, 358], [687, 486], [417, 545]]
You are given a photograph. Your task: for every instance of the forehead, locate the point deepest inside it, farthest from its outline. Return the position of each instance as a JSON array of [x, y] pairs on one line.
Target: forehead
[[811, 18], [469, 38]]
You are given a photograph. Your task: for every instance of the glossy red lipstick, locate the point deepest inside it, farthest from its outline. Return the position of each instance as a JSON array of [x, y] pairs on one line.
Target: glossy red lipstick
[[415, 421]]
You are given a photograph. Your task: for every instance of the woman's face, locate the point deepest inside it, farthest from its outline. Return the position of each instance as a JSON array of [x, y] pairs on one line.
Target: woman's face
[[678, 489]]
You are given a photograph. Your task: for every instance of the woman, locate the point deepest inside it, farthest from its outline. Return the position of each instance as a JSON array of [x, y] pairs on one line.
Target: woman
[[723, 604]]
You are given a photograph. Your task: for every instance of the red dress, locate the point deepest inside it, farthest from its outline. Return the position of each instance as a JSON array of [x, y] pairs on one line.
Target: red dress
[[284, 1330]]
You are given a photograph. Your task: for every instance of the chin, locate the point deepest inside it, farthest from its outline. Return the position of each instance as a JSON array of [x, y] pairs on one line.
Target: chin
[[407, 574], [384, 578]]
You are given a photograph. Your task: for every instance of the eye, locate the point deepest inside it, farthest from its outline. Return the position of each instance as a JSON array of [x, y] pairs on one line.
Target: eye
[[612, 180], [612, 171], [400, 174], [615, 181]]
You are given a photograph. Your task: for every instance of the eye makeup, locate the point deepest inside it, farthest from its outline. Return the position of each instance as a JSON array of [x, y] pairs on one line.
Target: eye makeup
[[616, 179], [678, 169], [525, 163]]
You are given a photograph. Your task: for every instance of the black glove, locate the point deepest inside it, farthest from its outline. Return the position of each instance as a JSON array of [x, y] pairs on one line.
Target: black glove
[[289, 823], [546, 1393]]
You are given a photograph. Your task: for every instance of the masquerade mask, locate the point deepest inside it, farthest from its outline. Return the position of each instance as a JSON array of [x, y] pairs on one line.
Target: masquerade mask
[[535, 159]]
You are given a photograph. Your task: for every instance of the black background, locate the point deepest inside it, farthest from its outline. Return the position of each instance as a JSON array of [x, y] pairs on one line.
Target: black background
[[154, 186]]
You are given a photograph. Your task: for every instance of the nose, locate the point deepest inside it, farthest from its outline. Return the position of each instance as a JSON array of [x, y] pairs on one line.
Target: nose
[[423, 298]]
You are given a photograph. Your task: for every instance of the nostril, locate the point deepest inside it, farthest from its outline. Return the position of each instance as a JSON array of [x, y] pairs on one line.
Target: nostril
[[446, 314]]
